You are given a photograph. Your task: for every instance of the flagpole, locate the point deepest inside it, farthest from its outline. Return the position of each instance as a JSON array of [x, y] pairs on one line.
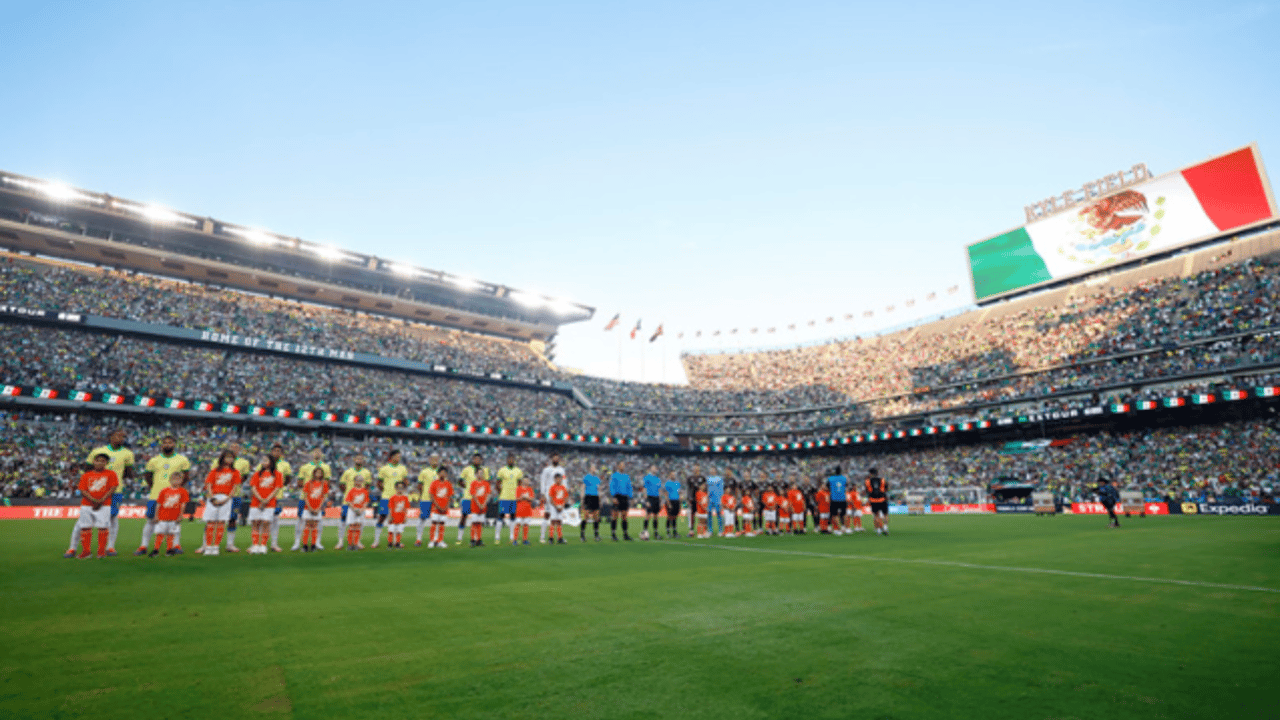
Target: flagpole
[[619, 357], [664, 359], [642, 354]]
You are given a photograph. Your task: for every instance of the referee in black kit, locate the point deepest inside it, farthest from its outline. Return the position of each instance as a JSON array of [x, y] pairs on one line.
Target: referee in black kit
[[1109, 496]]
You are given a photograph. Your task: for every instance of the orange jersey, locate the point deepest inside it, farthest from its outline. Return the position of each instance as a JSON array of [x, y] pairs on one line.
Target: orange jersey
[[480, 490], [398, 507], [314, 493], [701, 499], [823, 498], [769, 499], [748, 505], [96, 486], [524, 501], [559, 495], [729, 502], [169, 504], [222, 482], [876, 489], [357, 498], [264, 486], [440, 492], [855, 502], [796, 499]]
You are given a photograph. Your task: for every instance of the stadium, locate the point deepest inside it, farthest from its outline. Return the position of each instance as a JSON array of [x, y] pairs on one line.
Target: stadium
[[1057, 501]]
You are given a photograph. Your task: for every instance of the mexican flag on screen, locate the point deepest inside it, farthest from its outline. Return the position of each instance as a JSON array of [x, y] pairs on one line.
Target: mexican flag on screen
[[1215, 196]]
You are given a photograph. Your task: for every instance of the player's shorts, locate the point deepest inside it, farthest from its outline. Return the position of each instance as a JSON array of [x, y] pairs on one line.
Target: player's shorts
[[151, 510], [116, 499], [824, 515], [591, 503], [770, 515], [730, 518], [384, 506], [309, 515], [621, 503], [167, 527], [424, 509], [653, 504], [477, 519], [880, 508], [857, 512], [702, 516], [466, 508], [217, 513], [395, 527], [506, 507], [713, 504], [355, 517], [839, 508], [440, 517], [673, 508], [344, 512], [555, 514], [90, 518], [302, 507], [264, 514], [797, 517]]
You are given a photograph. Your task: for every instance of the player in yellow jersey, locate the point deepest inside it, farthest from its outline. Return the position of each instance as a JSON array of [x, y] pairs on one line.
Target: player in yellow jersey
[[472, 472], [163, 471], [120, 461], [426, 476], [357, 471], [305, 474], [389, 474], [509, 477]]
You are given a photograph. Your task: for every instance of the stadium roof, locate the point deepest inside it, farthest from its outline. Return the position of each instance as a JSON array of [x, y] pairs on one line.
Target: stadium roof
[[54, 219]]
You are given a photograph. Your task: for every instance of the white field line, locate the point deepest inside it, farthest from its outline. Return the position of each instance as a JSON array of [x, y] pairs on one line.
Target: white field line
[[1005, 568]]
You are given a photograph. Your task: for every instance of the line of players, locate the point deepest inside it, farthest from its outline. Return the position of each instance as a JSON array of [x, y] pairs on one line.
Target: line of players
[[834, 506]]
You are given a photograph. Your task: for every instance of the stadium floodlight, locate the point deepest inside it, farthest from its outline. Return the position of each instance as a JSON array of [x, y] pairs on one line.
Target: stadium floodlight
[[560, 306], [155, 213], [327, 252], [403, 269], [528, 299], [464, 283]]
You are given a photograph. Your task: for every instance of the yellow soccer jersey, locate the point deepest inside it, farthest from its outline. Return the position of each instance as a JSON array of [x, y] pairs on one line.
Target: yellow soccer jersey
[[508, 480], [468, 476], [162, 469], [427, 476], [348, 479], [390, 475], [304, 472], [121, 458]]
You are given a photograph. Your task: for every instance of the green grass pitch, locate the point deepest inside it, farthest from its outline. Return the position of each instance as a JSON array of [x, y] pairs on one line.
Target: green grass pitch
[[792, 627]]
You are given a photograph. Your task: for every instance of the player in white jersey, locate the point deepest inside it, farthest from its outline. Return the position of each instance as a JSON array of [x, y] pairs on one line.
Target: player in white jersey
[[546, 479]]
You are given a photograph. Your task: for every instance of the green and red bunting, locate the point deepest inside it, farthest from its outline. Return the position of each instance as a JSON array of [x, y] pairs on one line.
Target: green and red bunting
[[1222, 194]]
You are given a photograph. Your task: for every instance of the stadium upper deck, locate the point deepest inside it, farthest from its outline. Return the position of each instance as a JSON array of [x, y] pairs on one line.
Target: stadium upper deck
[[53, 219]]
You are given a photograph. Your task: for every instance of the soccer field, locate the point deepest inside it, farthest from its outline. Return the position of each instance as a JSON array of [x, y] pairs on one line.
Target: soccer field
[[931, 622]]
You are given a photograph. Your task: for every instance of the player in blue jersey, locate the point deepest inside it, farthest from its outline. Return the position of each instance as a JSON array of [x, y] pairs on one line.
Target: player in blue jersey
[[652, 503], [672, 490], [620, 489], [838, 485], [590, 504], [715, 492]]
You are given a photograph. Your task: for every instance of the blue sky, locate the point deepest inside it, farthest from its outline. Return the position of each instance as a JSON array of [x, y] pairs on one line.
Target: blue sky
[[701, 165]]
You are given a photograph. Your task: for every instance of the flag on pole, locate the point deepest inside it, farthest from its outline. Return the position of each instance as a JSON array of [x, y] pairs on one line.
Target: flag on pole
[[635, 330], [613, 323], [657, 333]]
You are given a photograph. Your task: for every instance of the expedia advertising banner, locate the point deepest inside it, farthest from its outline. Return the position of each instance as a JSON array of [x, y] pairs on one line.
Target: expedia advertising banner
[[1224, 193], [1012, 508], [1248, 508]]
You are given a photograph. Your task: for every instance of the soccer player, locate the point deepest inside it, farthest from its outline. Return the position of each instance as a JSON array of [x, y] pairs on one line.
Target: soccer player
[[1109, 496], [769, 500], [389, 474], [620, 489], [472, 472], [96, 487], [525, 496], [652, 501], [481, 491], [162, 471], [878, 497], [853, 522], [356, 474], [315, 495], [120, 461], [715, 491], [837, 487], [822, 498], [748, 505], [356, 502], [169, 516], [397, 511], [730, 512], [701, 507], [557, 498], [426, 476], [286, 471], [440, 492], [221, 481], [546, 479], [509, 477], [264, 489], [795, 496], [672, 489], [692, 484], [590, 504], [306, 474]]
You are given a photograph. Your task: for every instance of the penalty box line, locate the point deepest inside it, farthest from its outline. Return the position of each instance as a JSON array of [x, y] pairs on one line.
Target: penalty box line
[[1005, 568]]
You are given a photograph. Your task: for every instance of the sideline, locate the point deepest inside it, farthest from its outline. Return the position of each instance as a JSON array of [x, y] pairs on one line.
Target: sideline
[[974, 566]]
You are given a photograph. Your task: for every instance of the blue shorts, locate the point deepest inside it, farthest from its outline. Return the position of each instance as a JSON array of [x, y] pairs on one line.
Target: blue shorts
[[235, 504], [713, 505], [506, 507], [424, 510], [116, 499], [384, 506], [466, 507], [344, 513], [151, 509], [302, 505], [279, 509]]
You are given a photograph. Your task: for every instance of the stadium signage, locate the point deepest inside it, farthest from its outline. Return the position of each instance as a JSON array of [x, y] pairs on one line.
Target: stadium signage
[[1012, 508], [1088, 191], [20, 311], [1236, 509], [276, 345]]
